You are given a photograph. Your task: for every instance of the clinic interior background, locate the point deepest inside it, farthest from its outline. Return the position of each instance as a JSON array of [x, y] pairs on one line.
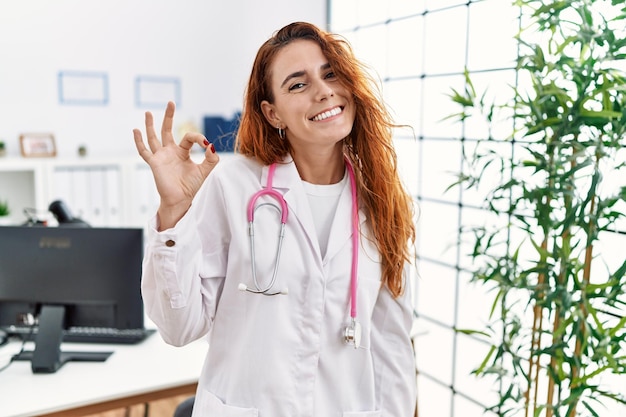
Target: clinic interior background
[[200, 52]]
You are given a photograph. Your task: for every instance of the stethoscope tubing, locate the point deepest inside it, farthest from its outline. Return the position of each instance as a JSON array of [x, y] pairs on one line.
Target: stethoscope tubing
[[284, 211], [279, 250], [270, 191], [355, 242]]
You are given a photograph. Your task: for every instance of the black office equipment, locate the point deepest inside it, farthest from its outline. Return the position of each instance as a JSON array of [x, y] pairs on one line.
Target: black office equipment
[[64, 216], [60, 284]]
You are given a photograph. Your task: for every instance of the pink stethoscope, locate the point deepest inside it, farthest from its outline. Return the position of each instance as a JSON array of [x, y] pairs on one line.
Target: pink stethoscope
[[352, 332]]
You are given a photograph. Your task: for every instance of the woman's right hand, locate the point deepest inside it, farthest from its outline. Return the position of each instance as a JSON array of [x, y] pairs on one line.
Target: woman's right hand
[[178, 178]]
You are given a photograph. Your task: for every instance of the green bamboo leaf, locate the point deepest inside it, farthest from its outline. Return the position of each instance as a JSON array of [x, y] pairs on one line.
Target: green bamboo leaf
[[472, 332], [461, 179], [602, 114], [569, 40], [592, 288], [590, 409], [619, 273], [461, 99], [591, 310], [583, 380], [606, 97], [615, 397], [481, 368], [619, 327], [496, 303]]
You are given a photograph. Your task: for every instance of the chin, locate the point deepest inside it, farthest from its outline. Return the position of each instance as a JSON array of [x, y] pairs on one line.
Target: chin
[[345, 133]]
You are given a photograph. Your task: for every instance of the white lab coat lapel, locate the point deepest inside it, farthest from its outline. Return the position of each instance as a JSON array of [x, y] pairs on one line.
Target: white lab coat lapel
[[341, 229], [288, 182]]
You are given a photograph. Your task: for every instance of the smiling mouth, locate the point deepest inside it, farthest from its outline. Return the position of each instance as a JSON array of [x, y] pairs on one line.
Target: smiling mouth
[[325, 115]]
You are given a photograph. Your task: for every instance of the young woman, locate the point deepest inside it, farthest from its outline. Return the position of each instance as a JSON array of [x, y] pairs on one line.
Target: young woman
[[302, 288]]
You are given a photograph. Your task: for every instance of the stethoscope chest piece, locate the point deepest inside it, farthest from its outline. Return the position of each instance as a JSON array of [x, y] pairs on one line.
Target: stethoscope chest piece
[[352, 334]]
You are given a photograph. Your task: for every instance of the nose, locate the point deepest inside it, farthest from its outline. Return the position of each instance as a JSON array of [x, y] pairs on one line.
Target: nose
[[324, 91]]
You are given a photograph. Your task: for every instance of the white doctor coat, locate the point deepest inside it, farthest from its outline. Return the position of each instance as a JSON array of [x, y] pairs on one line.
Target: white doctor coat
[[282, 355]]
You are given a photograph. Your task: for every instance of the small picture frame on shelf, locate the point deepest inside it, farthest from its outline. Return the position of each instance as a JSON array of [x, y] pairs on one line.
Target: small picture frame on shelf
[[34, 145]]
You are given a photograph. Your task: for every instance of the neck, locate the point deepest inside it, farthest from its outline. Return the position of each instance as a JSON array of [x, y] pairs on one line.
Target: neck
[[320, 169]]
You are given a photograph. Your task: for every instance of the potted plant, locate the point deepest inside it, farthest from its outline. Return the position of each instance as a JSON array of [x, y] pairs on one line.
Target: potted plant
[[3, 149], [555, 202], [4, 212]]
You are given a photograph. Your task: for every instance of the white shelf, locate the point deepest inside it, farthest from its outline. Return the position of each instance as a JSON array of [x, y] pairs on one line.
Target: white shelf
[[101, 191], [106, 192]]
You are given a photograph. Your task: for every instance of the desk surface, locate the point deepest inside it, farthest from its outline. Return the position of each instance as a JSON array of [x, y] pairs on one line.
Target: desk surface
[[131, 371]]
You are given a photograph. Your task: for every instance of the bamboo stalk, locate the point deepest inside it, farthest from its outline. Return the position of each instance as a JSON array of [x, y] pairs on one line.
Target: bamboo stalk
[[534, 360], [537, 362], [550, 395], [533, 363], [556, 323], [586, 280], [565, 237]]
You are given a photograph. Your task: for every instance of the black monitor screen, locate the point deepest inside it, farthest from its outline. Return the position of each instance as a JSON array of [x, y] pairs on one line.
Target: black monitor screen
[[93, 274]]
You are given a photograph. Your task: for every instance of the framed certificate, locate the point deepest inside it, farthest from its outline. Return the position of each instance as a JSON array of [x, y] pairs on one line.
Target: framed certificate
[[37, 145]]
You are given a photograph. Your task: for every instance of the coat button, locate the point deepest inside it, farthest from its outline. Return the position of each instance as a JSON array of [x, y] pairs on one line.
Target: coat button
[[170, 243]]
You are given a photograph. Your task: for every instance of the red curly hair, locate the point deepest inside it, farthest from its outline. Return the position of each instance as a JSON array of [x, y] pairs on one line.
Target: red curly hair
[[369, 146]]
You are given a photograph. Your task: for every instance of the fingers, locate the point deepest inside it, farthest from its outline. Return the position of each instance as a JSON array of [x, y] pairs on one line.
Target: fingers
[[193, 137], [211, 158], [168, 121], [167, 138], [166, 128], [153, 139], [141, 147]]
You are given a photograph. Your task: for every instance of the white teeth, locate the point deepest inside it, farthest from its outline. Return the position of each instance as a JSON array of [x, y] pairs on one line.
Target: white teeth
[[327, 114]]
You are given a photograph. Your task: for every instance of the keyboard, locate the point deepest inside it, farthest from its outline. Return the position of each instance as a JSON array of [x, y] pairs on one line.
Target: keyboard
[[89, 334]]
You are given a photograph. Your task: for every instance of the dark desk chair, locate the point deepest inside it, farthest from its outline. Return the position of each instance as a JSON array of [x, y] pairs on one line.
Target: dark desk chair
[[184, 409]]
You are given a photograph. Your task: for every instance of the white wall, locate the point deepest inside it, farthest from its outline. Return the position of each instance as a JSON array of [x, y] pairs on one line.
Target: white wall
[[208, 44]]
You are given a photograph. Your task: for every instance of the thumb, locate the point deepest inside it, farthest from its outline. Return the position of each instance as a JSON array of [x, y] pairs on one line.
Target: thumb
[[211, 158]]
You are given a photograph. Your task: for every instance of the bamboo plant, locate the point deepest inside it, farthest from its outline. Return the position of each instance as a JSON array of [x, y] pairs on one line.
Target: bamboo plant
[[558, 324]]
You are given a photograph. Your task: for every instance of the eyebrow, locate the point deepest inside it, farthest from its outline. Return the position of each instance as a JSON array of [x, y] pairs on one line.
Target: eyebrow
[[301, 73]]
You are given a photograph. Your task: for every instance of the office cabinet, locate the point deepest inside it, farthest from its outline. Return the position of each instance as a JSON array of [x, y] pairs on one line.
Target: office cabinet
[[21, 186], [102, 192], [105, 192], [92, 192]]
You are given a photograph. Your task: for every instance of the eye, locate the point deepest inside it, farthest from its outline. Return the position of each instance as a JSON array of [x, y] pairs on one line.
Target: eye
[[330, 74], [296, 86]]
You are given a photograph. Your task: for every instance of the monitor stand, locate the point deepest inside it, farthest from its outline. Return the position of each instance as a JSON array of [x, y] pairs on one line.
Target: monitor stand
[[47, 356]]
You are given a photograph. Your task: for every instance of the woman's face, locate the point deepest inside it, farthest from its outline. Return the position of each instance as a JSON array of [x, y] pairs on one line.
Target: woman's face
[[310, 103]]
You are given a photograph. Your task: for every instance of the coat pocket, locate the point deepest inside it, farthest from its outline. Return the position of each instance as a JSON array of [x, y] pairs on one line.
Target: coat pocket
[[207, 404]]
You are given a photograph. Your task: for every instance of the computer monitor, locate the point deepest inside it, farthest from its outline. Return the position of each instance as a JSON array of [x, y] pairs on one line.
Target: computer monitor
[[57, 277]]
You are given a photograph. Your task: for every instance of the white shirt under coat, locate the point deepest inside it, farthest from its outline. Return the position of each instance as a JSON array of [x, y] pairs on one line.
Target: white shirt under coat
[[283, 355]]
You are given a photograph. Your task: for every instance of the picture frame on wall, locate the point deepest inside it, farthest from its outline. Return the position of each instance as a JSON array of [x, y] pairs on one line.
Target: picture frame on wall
[[37, 145]]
